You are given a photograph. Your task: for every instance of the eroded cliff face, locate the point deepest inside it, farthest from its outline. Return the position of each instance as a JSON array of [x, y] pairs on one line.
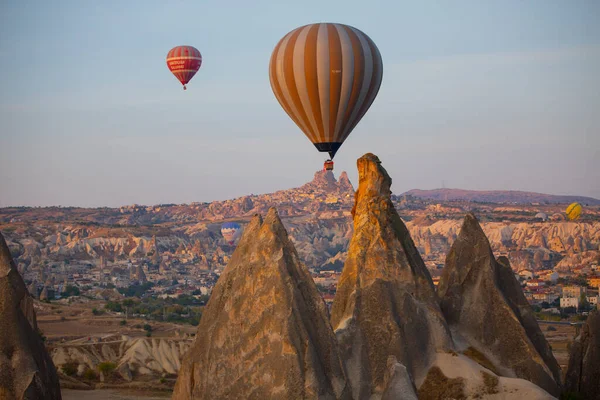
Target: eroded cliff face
[[385, 312], [265, 332], [133, 356], [26, 370], [486, 310], [583, 374], [531, 245]]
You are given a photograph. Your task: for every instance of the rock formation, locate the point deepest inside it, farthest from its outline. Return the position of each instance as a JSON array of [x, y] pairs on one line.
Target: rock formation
[[44, 294], [32, 289], [385, 312], [26, 370], [264, 333], [487, 311], [583, 374], [140, 356], [344, 182], [456, 376]]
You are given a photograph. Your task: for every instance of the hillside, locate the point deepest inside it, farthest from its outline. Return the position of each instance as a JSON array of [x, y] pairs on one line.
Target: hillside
[[499, 196]]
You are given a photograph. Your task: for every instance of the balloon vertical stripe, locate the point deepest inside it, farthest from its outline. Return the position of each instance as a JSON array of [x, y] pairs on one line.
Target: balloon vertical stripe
[[335, 84]]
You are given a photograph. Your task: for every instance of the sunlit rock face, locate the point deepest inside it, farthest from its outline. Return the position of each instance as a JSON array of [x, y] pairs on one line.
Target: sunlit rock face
[[385, 312], [485, 308], [583, 374], [26, 370], [265, 332]]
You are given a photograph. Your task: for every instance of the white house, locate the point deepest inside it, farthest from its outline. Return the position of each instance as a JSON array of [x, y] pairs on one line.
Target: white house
[[526, 274], [535, 283], [569, 302], [549, 277], [573, 291]]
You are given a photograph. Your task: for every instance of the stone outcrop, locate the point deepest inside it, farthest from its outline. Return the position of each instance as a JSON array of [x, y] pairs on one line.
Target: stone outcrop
[[324, 181], [26, 370], [486, 310], [456, 376], [141, 356], [265, 332], [583, 374], [344, 183], [385, 312]]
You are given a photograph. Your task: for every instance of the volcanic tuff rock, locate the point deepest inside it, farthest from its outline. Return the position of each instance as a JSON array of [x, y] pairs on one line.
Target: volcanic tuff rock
[[264, 333], [385, 311], [344, 182], [486, 309], [26, 370], [547, 239], [325, 181], [140, 356], [583, 374]]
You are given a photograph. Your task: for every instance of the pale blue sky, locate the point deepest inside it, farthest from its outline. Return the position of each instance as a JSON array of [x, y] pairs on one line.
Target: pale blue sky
[[478, 94]]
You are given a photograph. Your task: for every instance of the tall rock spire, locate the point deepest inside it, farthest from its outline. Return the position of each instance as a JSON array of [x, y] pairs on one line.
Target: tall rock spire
[[26, 369], [486, 309], [265, 332], [583, 374], [385, 312]]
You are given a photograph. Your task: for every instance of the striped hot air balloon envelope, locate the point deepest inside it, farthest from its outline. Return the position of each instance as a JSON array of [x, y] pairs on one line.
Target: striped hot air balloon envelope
[[573, 211], [231, 231], [184, 62], [326, 76]]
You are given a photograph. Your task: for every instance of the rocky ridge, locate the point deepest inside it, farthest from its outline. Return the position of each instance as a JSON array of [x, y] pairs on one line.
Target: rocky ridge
[[498, 196], [485, 308], [265, 331], [26, 370], [132, 356], [385, 312], [583, 374], [264, 323]]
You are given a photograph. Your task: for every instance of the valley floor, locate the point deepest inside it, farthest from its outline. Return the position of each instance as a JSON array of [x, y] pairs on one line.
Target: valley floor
[[113, 394]]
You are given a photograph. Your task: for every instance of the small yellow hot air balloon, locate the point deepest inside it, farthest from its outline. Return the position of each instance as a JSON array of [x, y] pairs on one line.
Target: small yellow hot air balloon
[[573, 211]]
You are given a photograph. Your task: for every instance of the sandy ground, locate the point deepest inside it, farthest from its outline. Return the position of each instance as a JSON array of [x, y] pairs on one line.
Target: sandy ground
[[559, 341], [112, 394]]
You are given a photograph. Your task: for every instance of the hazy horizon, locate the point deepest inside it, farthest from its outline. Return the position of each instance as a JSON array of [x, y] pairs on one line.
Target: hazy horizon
[[498, 96]]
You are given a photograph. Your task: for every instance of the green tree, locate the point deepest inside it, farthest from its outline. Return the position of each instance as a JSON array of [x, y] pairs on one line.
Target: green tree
[[545, 304], [107, 367], [69, 369], [129, 302], [114, 306], [90, 375], [71, 291]]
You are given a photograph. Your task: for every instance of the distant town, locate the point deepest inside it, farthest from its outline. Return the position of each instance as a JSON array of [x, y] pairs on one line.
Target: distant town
[[167, 258]]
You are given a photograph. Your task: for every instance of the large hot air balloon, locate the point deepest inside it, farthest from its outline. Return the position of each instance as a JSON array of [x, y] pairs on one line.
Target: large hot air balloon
[[573, 211], [184, 62], [326, 76], [231, 231]]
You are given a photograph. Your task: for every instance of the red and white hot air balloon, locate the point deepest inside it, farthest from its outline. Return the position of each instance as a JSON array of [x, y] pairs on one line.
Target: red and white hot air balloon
[[184, 62]]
